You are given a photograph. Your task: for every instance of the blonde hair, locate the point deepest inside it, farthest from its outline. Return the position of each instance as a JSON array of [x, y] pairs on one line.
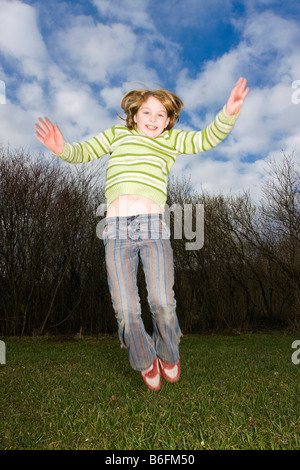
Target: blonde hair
[[133, 100]]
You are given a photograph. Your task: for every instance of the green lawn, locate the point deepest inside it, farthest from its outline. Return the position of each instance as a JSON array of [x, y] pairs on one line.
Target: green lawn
[[235, 392]]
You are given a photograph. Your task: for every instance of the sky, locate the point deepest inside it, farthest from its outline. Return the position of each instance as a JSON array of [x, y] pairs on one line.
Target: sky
[[72, 61]]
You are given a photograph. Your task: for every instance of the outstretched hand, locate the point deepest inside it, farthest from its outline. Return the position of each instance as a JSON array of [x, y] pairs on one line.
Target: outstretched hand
[[237, 96], [50, 136]]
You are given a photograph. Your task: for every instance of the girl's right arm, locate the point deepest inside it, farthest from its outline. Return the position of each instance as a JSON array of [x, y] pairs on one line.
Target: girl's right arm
[[76, 152]]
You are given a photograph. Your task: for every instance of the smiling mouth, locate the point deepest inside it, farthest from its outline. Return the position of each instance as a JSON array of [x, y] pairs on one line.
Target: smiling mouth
[[151, 128]]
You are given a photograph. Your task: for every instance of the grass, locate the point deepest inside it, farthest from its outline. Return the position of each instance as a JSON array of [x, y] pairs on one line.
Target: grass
[[235, 392]]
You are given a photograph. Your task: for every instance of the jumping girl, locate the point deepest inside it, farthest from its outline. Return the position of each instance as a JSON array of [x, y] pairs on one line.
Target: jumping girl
[[142, 153]]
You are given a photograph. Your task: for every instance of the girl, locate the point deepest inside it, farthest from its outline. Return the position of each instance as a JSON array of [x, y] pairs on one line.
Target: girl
[[142, 154]]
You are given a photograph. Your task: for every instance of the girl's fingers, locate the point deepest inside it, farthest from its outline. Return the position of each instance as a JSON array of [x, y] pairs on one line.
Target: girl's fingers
[[45, 125], [240, 89], [40, 131], [240, 81], [44, 129], [246, 93], [56, 130], [241, 84], [48, 123], [39, 137]]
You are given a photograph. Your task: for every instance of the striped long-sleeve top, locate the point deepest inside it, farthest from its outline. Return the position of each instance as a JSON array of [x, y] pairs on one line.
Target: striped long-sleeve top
[[139, 164]]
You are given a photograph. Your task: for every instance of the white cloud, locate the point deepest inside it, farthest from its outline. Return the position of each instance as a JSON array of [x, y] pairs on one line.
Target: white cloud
[[31, 95], [222, 177], [20, 37], [85, 52], [267, 31], [267, 52], [269, 121], [78, 74], [192, 13], [17, 126], [95, 51], [99, 52], [79, 113], [126, 11], [268, 118], [212, 85], [268, 125], [112, 96]]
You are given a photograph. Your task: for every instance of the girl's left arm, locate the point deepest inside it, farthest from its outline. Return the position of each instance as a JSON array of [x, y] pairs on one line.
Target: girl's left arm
[[189, 142]]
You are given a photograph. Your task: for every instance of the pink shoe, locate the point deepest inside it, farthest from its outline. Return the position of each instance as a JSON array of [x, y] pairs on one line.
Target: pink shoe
[[171, 372], [152, 378]]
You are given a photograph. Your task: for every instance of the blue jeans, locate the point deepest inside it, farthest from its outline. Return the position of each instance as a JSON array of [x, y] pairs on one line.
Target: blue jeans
[[128, 240]]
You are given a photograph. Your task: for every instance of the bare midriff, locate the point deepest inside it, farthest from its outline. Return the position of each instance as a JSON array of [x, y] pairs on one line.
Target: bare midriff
[[132, 204]]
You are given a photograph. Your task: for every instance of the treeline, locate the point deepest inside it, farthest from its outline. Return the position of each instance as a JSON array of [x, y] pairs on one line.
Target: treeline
[[52, 264]]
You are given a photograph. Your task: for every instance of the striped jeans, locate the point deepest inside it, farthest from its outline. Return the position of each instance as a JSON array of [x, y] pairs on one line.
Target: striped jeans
[[128, 240]]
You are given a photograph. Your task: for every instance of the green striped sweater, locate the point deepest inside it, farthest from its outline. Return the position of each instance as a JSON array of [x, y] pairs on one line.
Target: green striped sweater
[[139, 164]]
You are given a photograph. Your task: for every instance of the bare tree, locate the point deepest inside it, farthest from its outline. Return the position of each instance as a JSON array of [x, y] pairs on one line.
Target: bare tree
[[52, 265]]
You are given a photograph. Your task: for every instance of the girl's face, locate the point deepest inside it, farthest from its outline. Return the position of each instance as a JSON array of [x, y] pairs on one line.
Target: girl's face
[[151, 118]]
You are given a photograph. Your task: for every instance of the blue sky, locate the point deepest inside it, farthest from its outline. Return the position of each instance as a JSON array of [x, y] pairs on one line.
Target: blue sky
[[72, 61]]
